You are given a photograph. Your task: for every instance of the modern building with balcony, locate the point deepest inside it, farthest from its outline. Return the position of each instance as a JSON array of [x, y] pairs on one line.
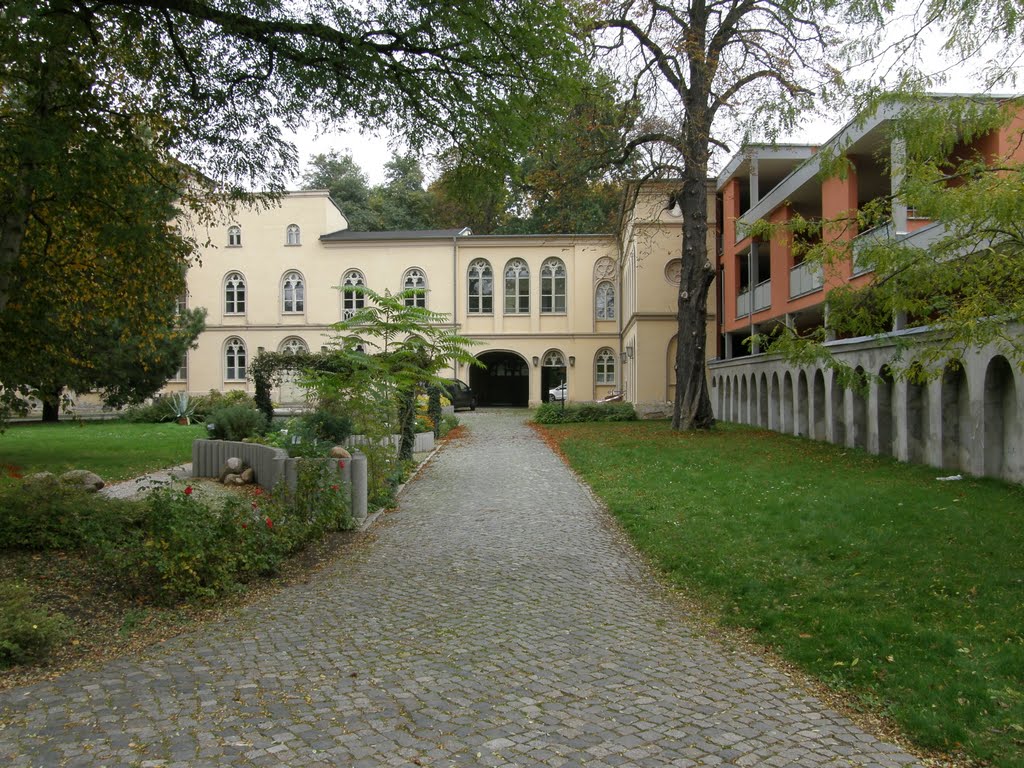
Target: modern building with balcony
[[965, 419]]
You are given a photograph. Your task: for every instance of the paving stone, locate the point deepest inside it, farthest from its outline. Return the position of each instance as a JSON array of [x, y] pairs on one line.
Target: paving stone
[[499, 618]]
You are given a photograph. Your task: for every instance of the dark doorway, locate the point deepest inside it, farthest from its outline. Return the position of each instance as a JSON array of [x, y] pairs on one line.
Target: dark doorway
[[505, 380], [552, 375]]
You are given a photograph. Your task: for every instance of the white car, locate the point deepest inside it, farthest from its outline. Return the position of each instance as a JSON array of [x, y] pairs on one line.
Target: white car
[[557, 394]]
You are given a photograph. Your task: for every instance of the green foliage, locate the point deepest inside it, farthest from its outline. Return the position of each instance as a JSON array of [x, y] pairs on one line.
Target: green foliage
[[555, 413], [332, 426], [901, 591], [345, 180], [27, 632], [235, 422], [448, 422], [46, 514]]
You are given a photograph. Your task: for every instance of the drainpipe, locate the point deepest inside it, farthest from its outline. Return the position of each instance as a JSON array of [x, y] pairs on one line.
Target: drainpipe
[[455, 291]]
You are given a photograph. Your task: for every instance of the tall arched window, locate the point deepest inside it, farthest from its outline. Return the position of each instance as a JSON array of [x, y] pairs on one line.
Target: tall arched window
[[291, 235], [293, 293], [415, 280], [293, 346], [234, 359], [605, 301], [481, 287], [234, 235], [517, 287], [234, 294], [604, 367], [552, 286], [351, 302]]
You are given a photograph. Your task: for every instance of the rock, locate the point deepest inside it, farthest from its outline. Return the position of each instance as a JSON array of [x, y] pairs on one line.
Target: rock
[[84, 479], [337, 452], [40, 477], [233, 479], [233, 466], [248, 476]]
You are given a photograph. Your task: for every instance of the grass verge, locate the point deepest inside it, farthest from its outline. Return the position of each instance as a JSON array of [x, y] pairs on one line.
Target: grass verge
[[902, 592], [115, 450]]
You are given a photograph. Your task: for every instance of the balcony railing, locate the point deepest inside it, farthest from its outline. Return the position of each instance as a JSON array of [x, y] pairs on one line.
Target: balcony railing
[[743, 303], [763, 295], [864, 239], [804, 278]]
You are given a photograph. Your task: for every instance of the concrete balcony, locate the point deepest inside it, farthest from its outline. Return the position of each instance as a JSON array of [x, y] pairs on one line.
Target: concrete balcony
[[868, 238]]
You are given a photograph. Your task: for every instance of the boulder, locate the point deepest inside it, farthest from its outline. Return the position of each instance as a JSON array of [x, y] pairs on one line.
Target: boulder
[[233, 466], [233, 479], [338, 452], [84, 479], [40, 477], [248, 476]]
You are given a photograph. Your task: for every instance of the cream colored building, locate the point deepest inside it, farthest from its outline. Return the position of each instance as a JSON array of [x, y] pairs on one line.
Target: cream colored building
[[590, 310]]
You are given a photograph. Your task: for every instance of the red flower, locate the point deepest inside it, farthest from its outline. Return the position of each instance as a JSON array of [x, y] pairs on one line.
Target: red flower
[[334, 488], [341, 464], [245, 525], [188, 490], [255, 505], [270, 523]]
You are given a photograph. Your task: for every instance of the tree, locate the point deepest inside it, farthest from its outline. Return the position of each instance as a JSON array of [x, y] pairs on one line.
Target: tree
[[348, 185], [95, 294], [402, 202], [696, 66], [214, 82]]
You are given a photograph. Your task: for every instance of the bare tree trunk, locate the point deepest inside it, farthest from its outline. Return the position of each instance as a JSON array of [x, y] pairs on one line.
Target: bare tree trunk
[[51, 404]]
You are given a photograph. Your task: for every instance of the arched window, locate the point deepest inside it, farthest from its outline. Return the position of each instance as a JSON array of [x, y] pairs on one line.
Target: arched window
[[293, 346], [351, 302], [552, 286], [234, 359], [554, 359], [604, 367], [234, 235], [481, 287], [415, 280], [293, 293], [517, 287], [605, 301], [291, 235], [234, 294]]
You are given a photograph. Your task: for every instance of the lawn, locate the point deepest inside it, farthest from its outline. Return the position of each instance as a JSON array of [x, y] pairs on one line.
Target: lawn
[[115, 450], [904, 592]]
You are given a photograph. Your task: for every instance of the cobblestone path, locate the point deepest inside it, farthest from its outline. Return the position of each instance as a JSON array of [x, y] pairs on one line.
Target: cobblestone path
[[498, 620]]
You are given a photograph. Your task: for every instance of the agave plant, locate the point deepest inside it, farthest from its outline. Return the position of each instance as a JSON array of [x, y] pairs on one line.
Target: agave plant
[[182, 407]]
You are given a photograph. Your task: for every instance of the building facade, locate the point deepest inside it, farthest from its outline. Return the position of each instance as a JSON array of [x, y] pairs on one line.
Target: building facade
[[596, 312], [966, 419]]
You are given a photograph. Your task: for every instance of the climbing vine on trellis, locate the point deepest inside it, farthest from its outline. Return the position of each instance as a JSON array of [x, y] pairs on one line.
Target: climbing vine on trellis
[[268, 369]]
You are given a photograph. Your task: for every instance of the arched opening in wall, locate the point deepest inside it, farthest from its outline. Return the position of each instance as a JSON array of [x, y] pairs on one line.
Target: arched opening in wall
[[504, 382], [787, 403], [1000, 422], [802, 406], [735, 398], [744, 401], [917, 421], [719, 398], [956, 416], [752, 407], [884, 417], [727, 413], [860, 408], [762, 402], [773, 397], [819, 432], [838, 413], [553, 374]]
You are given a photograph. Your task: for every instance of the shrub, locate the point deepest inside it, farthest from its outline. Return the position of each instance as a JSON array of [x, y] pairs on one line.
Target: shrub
[[235, 422], [331, 425], [206, 404], [448, 423], [27, 632], [148, 413], [555, 413], [46, 514]]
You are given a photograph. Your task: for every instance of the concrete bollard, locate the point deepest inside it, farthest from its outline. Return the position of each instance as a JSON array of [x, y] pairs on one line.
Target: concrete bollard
[[359, 485]]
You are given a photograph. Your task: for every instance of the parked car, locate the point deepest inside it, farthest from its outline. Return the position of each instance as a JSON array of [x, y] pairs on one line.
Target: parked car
[[460, 394], [557, 394]]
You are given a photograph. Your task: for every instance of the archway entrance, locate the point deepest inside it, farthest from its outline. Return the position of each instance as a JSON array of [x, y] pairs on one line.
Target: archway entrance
[[505, 381]]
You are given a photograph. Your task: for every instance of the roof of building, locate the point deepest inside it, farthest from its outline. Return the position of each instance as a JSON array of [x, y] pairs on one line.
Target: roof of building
[[408, 234]]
